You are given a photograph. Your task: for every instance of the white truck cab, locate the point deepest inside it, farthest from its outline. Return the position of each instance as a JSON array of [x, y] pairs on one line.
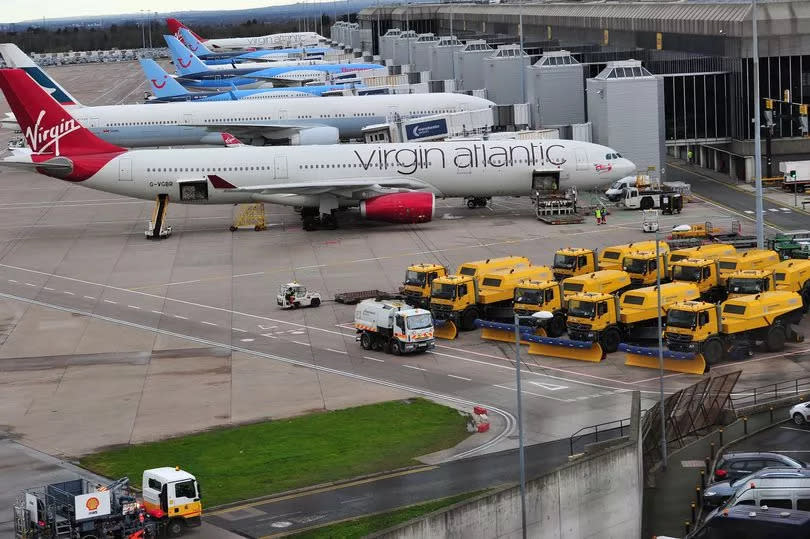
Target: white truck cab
[[174, 495], [394, 326]]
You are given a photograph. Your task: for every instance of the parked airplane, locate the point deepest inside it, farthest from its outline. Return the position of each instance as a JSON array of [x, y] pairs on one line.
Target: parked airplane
[[217, 58], [193, 73], [165, 89], [389, 182], [271, 121], [290, 39]]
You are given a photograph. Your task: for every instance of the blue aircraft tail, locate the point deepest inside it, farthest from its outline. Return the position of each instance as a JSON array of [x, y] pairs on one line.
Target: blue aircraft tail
[[14, 57], [194, 45], [185, 61], [160, 83]]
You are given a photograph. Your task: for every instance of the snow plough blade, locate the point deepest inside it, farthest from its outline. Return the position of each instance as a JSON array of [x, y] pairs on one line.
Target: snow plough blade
[[445, 329], [684, 362], [564, 348], [499, 331]]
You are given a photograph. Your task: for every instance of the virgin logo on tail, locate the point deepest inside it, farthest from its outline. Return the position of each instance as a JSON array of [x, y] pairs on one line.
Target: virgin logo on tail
[[184, 64], [162, 84], [40, 139]]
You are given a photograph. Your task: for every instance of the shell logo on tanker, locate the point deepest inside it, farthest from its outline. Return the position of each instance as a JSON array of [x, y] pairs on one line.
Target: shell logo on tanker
[[92, 504]]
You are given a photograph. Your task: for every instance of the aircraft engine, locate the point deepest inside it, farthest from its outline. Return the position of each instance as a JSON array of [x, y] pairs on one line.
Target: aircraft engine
[[316, 135], [415, 207]]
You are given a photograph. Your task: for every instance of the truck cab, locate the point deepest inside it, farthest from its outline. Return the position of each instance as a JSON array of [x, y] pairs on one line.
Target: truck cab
[[794, 276], [418, 281], [749, 260], [612, 257], [593, 316], [743, 282], [533, 296], [393, 326], [642, 266], [570, 261], [174, 495], [603, 281], [710, 251], [704, 273]]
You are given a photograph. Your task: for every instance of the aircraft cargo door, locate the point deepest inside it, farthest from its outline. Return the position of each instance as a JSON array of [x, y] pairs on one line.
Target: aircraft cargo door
[[582, 159], [281, 167], [125, 169]]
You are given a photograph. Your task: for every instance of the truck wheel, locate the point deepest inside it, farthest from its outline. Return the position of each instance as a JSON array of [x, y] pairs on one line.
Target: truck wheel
[[468, 319], [175, 528], [556, 326], [775, 340], [806, 299], [396, 348], [712, 352], [315, 302], [647, 203], [610, 340], [471, 203], [365, 341]]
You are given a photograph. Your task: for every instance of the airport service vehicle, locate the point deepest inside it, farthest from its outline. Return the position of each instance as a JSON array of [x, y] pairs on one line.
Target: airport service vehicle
[[793, 276], [795, 175], [755, 259], [667, 202], [79, 508], [272, 121], [457, 301], [735, 327], [165, 89], [642, 266], [418, 281], [602, 281], [704, 273], [744, 282], [650, 222], [611, 257], [800, 414], [535, 296], [752, 523], [293, 295], [616, 191], [287, 39], [193, 73], [736, 464], [389, 182], [393, 326], [709, 251], [572, 261], [189, 39]]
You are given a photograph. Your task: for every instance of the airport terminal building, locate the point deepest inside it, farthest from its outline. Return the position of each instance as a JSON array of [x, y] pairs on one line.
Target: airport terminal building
[[701, 51]]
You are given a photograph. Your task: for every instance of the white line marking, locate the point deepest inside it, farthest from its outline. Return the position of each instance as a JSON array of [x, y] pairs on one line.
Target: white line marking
[[550, 387], [794, 428], [12, 281], [180, 317], [534, 394], [45, 288], [239, 330], [133, 307], [247, 340], [265, 328], [254, 273], [208, 323], [374, 359], [302, 343], [110, 301], [460, 378], [337, 351], [89, 297], [361, 497], [157, 312], [748, 211], [269, 336], [414, 368], [30, 284], [69, 293]]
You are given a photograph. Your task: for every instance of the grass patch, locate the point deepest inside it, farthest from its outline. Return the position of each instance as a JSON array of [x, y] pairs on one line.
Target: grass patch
[[237, 463], [365, 525]]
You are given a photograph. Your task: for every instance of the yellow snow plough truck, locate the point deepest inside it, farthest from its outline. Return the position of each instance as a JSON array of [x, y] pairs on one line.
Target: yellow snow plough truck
[[457, 301], [745, 282], [709, 251], [602, 281], [573, 261], [612, 257], [531, 297], [419, 277], [641, 266], [603, 321], [699, 334], [794, 276]]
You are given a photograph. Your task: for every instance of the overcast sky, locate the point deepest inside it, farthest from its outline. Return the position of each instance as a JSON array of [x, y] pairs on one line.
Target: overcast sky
[[22, 10]]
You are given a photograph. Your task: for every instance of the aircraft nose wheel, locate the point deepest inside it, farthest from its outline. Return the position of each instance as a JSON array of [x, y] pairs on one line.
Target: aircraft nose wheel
[[476, 202]]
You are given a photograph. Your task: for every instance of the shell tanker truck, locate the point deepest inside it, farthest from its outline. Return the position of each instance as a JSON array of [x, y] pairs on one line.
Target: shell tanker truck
[[81, 509], [393, 326]]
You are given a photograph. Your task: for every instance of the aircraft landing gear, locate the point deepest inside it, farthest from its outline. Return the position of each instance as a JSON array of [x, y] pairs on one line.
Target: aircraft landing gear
[[477, 202], [314, 220]]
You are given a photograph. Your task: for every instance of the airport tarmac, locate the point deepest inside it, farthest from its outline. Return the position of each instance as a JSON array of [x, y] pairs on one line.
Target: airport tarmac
[[103, 331]]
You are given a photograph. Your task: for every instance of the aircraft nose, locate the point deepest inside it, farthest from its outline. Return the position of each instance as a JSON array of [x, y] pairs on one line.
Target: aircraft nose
[[626, 167]]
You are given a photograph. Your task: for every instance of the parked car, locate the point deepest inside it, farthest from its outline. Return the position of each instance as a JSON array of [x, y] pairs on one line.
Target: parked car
[[732, 466], [719, 493], [800, 414], [753, 523]]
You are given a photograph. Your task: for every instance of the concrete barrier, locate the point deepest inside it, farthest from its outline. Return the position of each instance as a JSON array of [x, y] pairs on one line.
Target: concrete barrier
[[598, 495]]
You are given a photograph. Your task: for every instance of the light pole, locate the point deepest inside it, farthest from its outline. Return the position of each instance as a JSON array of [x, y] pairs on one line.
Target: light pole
[[541, 315], [522, 67], [679, 228], [757, 134]]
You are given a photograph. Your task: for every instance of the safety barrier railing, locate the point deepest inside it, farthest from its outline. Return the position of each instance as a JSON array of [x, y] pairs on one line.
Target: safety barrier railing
[[607, 431], [770, 392]]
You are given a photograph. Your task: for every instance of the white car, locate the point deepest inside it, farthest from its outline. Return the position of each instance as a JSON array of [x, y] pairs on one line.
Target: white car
[[800, 414]]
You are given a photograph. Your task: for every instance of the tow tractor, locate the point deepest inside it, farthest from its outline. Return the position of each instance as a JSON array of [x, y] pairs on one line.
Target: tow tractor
[[83, 509], [293, 295], [650, 221]]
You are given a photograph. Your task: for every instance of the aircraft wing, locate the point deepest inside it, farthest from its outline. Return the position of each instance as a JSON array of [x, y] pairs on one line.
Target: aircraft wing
[[281, 82], [345, 187], [21, 159]]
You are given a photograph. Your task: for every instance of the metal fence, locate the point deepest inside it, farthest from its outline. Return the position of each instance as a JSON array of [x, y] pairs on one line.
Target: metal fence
[[596, 433], [770, 392]]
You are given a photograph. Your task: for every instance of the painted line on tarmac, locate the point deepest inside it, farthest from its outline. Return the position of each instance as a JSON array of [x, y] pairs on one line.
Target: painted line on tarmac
[[794, 428], [508, 417], [374, 359], [538, 394]]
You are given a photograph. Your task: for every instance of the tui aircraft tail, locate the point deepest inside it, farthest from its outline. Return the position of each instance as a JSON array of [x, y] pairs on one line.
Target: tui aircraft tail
[[48, 128], [14, 57], [189, 39], [185, 61], [160, 83]]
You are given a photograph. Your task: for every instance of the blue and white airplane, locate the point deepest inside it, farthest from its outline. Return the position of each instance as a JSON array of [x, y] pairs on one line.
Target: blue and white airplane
[[234, 57], [193, 73], [165, 89]]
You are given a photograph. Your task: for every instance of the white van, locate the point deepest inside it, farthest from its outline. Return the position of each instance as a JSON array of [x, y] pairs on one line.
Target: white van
[[614, 194], [789, 490]]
